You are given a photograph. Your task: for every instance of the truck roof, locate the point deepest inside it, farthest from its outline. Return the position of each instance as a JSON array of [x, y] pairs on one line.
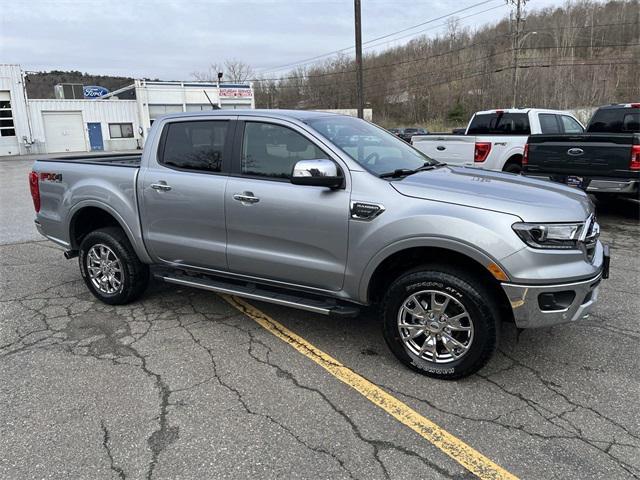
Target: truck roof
[[520, 110], [271, 113], [620, 105]]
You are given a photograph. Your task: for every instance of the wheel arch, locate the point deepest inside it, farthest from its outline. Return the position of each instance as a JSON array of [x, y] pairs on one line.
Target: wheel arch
[[465, 258], [514, 158], [89, 216]]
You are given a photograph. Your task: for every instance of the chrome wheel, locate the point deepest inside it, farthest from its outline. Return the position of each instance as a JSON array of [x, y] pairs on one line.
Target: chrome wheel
[[435, 326], [104, 269]]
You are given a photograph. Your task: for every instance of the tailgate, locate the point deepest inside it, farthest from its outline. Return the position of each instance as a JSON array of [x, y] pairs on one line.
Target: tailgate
[[591, 155], [452, 149]]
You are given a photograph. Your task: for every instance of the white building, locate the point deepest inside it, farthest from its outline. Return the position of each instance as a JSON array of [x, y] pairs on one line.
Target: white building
[[119, 120]]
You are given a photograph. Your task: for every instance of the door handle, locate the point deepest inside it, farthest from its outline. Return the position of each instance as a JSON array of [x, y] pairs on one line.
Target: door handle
[[441, 147], [160, 186], [246, 197]]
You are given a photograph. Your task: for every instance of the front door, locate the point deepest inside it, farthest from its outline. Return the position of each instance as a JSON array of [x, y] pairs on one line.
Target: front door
[[95, 136], [280, 231], [183, 193]]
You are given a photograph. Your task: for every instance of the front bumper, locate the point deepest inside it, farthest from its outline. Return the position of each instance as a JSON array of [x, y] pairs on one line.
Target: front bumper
[[536, 306], [528, 312]]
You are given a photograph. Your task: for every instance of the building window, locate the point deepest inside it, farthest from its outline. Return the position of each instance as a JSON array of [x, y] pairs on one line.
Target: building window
[[156, 111], [121, 130], [6, 117]]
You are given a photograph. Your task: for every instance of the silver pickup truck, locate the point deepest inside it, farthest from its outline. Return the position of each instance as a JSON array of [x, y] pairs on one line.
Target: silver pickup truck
[[328, 214]]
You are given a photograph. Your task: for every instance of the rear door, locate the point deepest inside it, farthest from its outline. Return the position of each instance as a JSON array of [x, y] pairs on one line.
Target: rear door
[[183, 191], [451, 149], [276, 230]]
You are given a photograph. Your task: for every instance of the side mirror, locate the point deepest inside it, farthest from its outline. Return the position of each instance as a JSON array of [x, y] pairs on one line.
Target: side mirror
[[317, 173]]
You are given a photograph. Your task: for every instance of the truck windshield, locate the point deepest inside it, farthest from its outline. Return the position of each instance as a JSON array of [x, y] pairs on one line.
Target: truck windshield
[[372, 147], [499, 123], [615, 120]]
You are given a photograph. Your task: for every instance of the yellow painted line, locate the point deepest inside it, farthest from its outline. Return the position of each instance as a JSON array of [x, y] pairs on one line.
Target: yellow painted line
[[462, 453]]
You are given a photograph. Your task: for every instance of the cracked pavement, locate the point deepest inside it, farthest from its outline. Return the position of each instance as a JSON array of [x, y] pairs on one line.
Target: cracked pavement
[[181, 385]]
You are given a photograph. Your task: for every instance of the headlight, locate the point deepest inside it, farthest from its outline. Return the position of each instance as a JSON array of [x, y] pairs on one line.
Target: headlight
[[549, 235]]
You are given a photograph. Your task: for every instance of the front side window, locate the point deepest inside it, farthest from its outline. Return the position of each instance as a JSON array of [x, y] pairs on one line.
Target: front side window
[[570, 125], [195, 145], [631, 122], [121, 130], [372, 147], [270, 150], [548, 123], [7, 128], [500, 123]]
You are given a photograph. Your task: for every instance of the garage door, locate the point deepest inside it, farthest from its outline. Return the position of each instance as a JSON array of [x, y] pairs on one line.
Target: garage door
[[64, 132]]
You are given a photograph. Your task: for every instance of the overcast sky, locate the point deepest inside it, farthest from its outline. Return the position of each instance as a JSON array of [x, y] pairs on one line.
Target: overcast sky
[[170, 39]]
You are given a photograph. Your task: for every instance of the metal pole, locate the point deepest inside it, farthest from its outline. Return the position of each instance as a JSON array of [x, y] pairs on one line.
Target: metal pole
[[359, 80], [516, 52]]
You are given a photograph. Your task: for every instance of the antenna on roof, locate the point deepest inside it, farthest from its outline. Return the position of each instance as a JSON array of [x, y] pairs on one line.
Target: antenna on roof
[[213, 107]]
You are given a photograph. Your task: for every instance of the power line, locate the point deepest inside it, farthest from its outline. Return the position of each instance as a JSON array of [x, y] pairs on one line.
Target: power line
[[448, 52], [455, 50], [335, 52]]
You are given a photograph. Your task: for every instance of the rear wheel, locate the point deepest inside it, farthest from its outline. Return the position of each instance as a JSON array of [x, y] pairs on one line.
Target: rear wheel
[[110, 267], [513, 167], [440, 322]]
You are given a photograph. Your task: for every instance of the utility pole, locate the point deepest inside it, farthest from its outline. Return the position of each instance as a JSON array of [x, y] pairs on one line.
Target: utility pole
[[516, 48], [359, 80]]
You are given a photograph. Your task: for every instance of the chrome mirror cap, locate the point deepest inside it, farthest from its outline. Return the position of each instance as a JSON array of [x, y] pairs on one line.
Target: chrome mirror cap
[[319, 172]]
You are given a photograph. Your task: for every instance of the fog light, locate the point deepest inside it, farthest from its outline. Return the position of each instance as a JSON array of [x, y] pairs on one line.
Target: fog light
[[556, 300]]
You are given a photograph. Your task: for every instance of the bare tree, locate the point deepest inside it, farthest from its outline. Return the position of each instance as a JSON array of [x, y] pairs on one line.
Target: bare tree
[[237, 71], [232, 70]]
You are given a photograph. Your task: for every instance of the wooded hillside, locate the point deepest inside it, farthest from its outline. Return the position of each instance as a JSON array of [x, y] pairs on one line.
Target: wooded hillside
[[581, 55]]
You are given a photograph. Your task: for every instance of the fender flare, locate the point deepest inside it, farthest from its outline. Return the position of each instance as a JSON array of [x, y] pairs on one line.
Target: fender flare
[[139, 248], [446, 243]]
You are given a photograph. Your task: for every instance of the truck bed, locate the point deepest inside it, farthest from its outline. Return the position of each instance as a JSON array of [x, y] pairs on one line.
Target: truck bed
[[131, 160]]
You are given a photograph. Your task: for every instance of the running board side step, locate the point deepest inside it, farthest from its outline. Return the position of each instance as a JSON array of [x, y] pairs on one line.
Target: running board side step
[[251, 291]]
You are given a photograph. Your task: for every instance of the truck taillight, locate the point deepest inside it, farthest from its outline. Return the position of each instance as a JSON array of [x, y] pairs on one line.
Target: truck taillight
[[634, 164], [525, 155], [34, 186], [481, 151]]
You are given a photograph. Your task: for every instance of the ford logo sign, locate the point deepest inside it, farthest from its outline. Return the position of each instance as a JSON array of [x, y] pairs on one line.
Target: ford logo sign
[[574, 152], [94, 91]]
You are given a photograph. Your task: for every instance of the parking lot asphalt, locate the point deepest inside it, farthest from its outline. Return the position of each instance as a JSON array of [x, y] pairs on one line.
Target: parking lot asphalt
[[183, 385]]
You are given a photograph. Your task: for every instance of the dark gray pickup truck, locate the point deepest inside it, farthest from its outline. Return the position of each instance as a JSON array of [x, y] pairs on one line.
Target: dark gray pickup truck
[[604, 161]]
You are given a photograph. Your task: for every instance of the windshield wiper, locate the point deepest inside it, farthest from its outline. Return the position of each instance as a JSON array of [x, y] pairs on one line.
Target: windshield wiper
[[403, 172]]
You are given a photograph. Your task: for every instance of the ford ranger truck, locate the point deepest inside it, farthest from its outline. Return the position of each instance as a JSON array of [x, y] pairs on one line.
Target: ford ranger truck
[[495, 139], [328, 214]]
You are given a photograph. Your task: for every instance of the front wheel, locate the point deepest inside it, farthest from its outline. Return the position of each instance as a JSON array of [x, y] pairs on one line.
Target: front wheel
[[110, 267], [440, 322]]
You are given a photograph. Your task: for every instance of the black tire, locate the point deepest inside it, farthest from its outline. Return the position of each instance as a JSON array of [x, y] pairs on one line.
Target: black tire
[[470, 294], [133, 276], [513, 167]]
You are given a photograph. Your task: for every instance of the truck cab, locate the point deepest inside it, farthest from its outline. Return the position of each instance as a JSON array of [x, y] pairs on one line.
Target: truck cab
[[495, 139]]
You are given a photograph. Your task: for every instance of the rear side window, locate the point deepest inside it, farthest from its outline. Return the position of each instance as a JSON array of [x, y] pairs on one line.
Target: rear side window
[[570, 124], [195, 145], [631, 122], [270, 150], [615, 120], [549, 123], [500, 124]]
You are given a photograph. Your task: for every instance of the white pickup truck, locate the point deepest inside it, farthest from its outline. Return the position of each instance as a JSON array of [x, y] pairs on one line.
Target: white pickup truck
[[495, 139]]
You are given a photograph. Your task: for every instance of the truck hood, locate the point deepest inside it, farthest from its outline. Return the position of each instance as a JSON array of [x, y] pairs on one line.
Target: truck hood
[[530, 199]]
